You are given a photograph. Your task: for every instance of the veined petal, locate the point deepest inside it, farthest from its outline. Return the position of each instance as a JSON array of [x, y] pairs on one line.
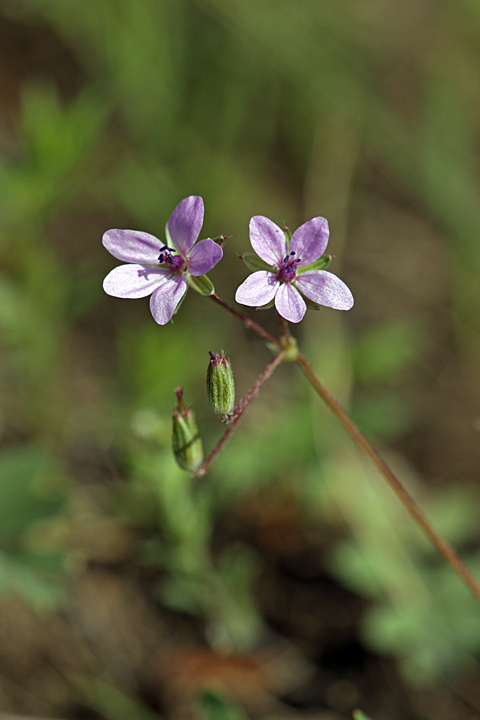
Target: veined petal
[[132, 246], [204, 256], [325, 288], [310, 240], [165, 299], [135, 281], [268, 240], [290, 303], [186, 222], [258, 289]]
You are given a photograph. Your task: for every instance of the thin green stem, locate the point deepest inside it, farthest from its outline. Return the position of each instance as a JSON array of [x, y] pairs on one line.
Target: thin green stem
[[237, 413], [415, 511]]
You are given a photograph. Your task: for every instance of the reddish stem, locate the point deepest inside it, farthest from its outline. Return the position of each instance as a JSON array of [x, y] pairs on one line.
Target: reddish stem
[[283, 327], [415, 511], [246, 321]]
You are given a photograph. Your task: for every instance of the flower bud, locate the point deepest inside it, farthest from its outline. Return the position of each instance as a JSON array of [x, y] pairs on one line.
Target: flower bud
[[220, 384], [186, 442]]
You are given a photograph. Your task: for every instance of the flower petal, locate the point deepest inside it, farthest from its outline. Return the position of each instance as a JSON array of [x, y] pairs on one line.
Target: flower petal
[[290, 303], [132, 246], [186, 222], [268, 240], [204, 256], [325, 288], [135, 281], [166, 298], [310, 240], [258, 289]]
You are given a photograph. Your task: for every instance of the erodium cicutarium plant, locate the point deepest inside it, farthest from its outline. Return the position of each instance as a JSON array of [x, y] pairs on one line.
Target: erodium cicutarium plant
[[289, 273]]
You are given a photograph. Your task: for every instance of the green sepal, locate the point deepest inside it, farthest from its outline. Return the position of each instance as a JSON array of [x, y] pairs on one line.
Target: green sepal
[[180, 303], [254, 263], [267, 306], [311, 304], [202, 284], [321, 264], [168, 238]]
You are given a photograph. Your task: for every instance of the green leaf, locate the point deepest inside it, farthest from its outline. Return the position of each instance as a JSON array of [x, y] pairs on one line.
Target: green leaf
[[202, 284]]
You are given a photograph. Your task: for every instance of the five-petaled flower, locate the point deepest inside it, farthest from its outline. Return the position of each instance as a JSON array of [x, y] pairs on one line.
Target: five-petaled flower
[[155, 268], [288, 271]]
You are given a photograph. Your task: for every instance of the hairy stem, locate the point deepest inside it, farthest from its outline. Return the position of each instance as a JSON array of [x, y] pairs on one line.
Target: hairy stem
[[237, 413], [415, 511], [283, 326], [246, 321]]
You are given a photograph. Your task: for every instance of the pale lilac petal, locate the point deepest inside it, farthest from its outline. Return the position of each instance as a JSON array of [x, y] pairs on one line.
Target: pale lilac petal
[[290, 303], [310, 240], [268, 240], [204, 256], [186, 222], [166, 298], [258, 289], [135, 281], [325, 288], [132, 246]]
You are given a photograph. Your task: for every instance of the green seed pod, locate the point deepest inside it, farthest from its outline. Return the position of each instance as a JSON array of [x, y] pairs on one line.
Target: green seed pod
[[220, 384], [186, 442]]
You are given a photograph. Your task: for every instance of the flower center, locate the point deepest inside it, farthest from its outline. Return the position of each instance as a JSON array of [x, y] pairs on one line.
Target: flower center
[[175, 262], [288, 269]]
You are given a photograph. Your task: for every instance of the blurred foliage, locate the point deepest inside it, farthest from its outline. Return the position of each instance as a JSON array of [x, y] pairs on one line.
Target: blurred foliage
[[112, 702], [287, 109], [359, 715], [30, 497], [215, 707]]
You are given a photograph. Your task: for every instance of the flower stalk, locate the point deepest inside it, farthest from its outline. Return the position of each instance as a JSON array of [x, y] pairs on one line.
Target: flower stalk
[[246, 321], [400, 491]]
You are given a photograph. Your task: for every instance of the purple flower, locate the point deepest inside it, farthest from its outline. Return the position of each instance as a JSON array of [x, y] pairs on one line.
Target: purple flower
[[157, 269], [288, 270]]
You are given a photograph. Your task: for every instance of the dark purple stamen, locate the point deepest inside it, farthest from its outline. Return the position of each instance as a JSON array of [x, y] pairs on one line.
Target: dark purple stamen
[[288, 269], [166, 257]]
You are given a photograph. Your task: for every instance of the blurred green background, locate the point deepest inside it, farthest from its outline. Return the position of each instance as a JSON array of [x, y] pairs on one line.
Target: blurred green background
[[290, 582]]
